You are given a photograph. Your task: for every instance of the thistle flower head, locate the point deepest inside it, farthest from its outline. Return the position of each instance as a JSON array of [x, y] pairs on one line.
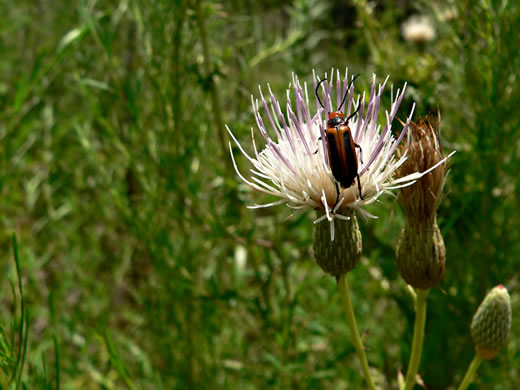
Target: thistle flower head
[[418, 29], [294, 165], [421, 254], [424, 150], [492, 322]]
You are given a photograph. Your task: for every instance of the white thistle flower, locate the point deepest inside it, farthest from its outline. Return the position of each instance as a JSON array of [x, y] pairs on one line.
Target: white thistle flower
[[294, 164], [418, 29]]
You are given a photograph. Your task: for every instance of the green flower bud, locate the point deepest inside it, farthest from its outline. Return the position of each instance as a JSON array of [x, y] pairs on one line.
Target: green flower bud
[[421, 255], [492, 322], [341, 255]]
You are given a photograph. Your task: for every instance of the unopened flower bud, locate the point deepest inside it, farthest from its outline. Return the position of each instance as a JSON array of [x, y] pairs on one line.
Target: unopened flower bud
[[341, 255], [492, 322]]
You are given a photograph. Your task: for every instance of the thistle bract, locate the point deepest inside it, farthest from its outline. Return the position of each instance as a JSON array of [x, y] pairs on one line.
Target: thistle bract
[[421, 255], [340, 256]]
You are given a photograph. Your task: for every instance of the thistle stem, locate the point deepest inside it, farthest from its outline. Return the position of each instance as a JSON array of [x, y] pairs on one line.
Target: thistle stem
[[470, 374], [418, 337], [351, 320]]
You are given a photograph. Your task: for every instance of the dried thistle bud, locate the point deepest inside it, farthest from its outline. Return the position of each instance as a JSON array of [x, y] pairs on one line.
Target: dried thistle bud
[[341, 255], [421, 200], [492, 322], [421, 255]]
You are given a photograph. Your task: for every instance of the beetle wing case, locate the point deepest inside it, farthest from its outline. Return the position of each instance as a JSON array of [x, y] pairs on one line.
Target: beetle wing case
[[342, 155]]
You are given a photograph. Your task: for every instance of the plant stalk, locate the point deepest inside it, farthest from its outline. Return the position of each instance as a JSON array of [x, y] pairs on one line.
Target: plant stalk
[[351, 320], [470, 374], [418, 337]]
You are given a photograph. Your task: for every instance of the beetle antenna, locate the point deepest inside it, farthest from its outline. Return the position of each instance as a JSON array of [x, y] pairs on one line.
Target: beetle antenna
[[346, 92], [354, 113], [318, 96]]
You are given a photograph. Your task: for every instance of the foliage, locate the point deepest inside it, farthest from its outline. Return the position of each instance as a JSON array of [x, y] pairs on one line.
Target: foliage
[[141, 264]]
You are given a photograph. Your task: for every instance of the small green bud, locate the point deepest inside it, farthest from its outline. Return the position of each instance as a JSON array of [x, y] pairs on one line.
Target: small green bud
[[492, 322], [341, 255], [421, 255]]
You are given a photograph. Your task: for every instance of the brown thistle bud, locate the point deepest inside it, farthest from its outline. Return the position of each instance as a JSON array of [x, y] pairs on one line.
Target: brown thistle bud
[[420, 200], [492, 322], [341, 255], [421, 255]]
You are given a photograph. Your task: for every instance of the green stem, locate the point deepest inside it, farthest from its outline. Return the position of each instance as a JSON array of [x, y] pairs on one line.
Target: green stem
[[351, 320], [470, 374], [418, 336]]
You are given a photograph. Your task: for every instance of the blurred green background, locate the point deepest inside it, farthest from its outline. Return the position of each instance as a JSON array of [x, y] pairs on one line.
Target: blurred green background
[[142, 267]]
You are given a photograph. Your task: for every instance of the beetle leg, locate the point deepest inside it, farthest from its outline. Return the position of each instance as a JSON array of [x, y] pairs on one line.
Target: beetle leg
[[360, 153], [359, 186], [319, 139], [337, 194]]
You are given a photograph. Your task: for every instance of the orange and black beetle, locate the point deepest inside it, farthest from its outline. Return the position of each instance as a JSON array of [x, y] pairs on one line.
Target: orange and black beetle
[[340, 145]]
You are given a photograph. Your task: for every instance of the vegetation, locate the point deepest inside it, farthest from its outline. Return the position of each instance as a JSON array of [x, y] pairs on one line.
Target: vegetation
[[140, 266]]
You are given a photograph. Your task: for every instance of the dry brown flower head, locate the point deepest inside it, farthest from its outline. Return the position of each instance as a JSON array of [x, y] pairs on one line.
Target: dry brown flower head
[[420, 200]]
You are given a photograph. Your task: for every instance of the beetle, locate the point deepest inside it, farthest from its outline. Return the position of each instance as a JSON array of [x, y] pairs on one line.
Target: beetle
[[341, 146]]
